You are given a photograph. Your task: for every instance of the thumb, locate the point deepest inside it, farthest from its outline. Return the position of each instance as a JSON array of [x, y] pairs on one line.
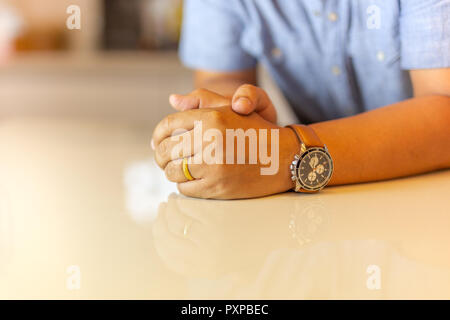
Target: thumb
[[248, 99], [181, 102]]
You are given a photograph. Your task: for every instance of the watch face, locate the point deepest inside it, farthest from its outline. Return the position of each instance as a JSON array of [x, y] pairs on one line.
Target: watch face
[[314, 169]]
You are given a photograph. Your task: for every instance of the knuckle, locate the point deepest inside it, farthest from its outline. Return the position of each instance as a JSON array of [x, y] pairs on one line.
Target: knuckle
[[263, 93], [216, 117], [159, 160], [161, 150], [248, 87], [168, 121], [170, 172], [157, 132]]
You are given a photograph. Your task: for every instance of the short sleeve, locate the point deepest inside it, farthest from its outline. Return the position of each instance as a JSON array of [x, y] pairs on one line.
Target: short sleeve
[[425, 34], [210, 38]]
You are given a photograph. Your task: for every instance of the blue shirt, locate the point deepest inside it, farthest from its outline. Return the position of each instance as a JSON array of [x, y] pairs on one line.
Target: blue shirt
[[331, 58]]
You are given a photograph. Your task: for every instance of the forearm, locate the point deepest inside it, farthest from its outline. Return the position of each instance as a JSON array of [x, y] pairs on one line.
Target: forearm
[[407, 138]]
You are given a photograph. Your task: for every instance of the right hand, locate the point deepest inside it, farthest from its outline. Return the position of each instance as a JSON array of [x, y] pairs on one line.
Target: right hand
[[246, 99]]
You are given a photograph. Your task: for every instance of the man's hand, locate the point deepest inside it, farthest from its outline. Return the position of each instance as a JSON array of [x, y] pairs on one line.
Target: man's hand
[[220, 180], [246, 99]]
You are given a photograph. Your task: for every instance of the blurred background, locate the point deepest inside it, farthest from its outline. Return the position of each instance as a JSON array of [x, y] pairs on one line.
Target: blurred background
[[77, 110], [122, 63]]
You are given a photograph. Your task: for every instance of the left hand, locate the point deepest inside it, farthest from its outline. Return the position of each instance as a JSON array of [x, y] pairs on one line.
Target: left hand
[[223, 181]]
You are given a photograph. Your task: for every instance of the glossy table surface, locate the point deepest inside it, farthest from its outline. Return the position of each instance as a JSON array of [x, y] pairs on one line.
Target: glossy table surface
[[84, 213]]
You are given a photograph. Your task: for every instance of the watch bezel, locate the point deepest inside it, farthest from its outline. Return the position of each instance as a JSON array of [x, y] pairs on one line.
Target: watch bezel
[[297, 162]]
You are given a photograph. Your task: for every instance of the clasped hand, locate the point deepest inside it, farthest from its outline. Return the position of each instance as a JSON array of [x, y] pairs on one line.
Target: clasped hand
[[206, 131]]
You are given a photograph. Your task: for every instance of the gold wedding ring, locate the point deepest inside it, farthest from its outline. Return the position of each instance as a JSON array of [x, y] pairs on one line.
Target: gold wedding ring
[[186, 229], [186, 172]]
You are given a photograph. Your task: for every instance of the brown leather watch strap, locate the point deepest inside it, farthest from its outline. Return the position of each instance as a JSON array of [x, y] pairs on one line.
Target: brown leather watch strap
[[307, 135]]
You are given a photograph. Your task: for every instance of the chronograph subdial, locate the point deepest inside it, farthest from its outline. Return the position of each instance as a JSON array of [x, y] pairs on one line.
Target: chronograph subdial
[[320, 169], [312, 176], [314, 162]]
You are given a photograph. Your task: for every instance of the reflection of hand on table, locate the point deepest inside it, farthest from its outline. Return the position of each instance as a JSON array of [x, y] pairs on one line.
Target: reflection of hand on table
[[207, 238]]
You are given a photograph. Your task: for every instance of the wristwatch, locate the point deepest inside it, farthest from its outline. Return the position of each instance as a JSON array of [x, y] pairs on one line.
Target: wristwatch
[[312, 168]]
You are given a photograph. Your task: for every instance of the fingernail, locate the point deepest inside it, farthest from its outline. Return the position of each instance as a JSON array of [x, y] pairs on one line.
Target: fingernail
[[152, 144], [243, 104], [173, 99]]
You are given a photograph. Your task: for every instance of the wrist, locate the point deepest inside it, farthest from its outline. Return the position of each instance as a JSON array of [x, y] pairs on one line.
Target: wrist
[[313, 165], [289, 147]]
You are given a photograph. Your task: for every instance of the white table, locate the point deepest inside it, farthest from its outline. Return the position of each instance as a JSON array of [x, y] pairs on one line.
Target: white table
[[84, 213]]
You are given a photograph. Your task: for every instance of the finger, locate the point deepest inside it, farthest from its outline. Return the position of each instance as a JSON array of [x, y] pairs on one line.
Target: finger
[[194, 209], [196, 188], [174, 171], [199, 210], [182, 121], [179, 147], [160, 231], [175, 147], [209, 99], [248, 99], [181, 102], [179, 224], [173, 250], [200, 98]]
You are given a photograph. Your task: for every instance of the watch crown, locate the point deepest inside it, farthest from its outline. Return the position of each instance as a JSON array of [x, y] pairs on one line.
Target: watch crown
[[294, 178]]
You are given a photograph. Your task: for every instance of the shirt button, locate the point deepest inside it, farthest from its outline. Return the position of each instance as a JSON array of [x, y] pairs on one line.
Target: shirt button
[[336, 70], [277, 53], [316, 13], [333, 16], [381, 56]]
